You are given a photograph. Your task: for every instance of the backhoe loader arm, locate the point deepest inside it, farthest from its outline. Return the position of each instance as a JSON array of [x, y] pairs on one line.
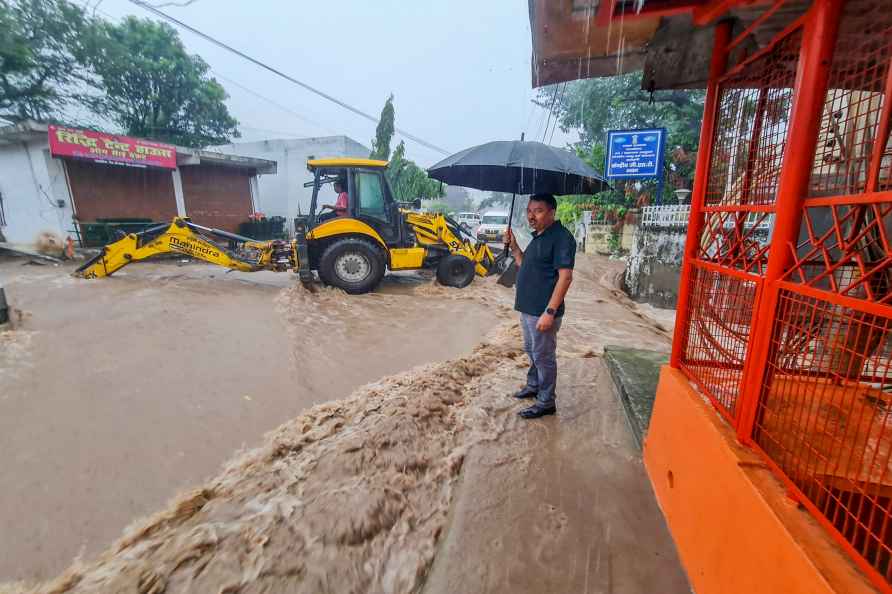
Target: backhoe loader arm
[[183, 237], [438, 229]]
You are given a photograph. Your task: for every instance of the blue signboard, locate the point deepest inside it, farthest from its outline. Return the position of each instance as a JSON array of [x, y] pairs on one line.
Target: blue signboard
[[635, 154]]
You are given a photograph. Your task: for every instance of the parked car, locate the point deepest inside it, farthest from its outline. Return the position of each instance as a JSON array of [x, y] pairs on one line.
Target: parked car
[[469, 221], [471, 218], [493, 225]]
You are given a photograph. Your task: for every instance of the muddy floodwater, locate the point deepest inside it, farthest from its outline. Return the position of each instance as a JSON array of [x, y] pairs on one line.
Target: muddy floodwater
[[394, 460], [118, 393]]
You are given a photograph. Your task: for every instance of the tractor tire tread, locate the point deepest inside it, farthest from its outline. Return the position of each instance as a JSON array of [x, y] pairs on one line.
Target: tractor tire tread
[[372, 251]]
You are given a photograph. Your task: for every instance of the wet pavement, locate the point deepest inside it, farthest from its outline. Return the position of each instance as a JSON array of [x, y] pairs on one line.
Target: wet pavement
[[563, 504]]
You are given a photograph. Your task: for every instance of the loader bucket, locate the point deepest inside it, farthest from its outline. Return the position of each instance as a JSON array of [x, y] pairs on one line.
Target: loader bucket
[[509, 276], [81, 271]]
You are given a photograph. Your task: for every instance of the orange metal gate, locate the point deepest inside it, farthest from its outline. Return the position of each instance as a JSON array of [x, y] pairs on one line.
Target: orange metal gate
[[788, 336]]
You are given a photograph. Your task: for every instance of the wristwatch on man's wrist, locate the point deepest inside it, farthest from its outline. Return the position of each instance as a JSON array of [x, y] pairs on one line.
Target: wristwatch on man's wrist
[[550, 311]]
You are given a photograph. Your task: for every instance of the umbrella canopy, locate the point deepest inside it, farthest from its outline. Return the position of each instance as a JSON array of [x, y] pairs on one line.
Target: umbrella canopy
[[519, 167]]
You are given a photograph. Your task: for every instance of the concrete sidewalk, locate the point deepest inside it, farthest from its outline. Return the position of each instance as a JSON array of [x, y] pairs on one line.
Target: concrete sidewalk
[[568, 509]]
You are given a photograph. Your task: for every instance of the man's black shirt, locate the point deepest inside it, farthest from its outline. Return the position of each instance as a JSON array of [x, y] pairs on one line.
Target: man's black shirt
[[550, 250]]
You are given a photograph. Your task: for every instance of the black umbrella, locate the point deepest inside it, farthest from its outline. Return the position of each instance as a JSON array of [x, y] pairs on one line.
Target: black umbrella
[[519, 167]]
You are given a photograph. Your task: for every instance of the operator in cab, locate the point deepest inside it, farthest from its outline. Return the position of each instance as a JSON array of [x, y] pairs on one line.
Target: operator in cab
[[339, 208]]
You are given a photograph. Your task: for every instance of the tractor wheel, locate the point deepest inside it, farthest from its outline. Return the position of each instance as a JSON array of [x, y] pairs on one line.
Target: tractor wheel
[[352, 264], [455, 271]]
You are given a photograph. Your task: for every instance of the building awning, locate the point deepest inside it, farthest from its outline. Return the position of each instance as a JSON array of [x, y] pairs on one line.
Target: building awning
[[670, 40], [190, 156], [29, 130], [24, 131]]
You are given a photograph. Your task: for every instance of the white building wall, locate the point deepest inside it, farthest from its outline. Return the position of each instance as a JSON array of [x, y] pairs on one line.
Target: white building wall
[[58, 189], [284, 194], [31, 183]]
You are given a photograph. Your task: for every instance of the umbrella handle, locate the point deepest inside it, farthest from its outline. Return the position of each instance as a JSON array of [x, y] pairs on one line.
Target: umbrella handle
[[510, 216]]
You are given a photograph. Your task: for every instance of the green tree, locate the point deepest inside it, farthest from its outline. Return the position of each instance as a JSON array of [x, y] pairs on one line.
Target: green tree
[[437, 206], [40, 55], [495, 199], [567, 214], [594, 106], [408, 180], [570, 207], [384, 132], [150, 85]]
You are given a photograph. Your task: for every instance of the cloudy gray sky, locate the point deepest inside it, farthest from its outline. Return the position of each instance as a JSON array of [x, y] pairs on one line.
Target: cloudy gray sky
[[459, 69]]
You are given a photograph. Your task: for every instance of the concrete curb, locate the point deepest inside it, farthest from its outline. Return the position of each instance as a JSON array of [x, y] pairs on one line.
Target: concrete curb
[[635, 373]]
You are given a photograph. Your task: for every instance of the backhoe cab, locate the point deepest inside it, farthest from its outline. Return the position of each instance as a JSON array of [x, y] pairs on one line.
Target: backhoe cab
[[351, 249]]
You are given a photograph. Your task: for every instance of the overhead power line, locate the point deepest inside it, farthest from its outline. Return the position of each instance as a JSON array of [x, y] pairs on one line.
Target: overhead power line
[[559, 102], [182, 4], [273, 102], [550, 111], [287, 77]]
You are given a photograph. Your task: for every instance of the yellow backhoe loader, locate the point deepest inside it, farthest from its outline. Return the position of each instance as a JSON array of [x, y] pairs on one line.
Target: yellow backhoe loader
[[351, 249]]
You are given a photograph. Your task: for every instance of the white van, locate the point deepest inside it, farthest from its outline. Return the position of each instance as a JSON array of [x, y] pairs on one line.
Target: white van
[[493, 225], [471, 218]]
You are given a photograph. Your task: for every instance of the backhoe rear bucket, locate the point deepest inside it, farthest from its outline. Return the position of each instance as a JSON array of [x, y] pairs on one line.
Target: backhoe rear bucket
[[505, 266], [509, 277]]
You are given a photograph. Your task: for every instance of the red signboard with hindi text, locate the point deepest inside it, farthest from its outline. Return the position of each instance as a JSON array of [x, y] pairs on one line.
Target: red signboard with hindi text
[[108, 148]]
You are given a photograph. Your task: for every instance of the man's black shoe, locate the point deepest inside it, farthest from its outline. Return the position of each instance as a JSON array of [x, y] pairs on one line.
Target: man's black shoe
[[537, 410], [526, 393]]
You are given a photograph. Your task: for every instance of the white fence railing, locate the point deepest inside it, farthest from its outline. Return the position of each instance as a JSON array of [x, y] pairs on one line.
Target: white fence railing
[[671, 216], [755, 219], [675, 217]]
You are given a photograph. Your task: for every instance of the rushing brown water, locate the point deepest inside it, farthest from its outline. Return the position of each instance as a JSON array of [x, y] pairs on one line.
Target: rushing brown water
[[116, 394], [422, 480]]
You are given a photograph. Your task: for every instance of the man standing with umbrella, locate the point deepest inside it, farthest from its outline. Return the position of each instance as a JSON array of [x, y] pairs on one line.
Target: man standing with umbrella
[[545, 275], [546, 266]]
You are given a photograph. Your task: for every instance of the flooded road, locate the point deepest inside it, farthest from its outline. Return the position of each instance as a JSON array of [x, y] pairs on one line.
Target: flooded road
[[422, 481], [118, 393]]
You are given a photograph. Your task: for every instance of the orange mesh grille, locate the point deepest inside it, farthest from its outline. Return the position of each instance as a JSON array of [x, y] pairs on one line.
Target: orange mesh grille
[[824, 416], [715, 347], [854, 102], [819, 387], [751, 128], [736, 240]]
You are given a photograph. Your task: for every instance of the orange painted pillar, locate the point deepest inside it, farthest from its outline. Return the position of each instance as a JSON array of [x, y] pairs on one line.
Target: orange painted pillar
[[701, 177], [809, 96]]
